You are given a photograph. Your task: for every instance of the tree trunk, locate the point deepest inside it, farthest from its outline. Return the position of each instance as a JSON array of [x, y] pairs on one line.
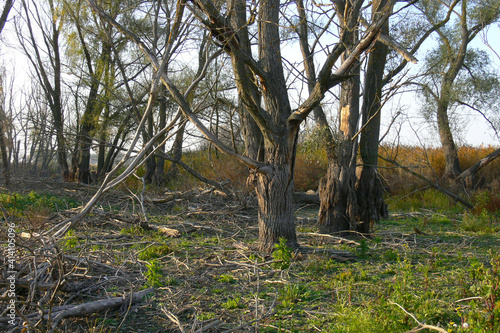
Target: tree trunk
[[275, 200], [452, 164], [176, 152], [369, 190], [5, 159], [83, 171], [151, 162], [159, 176], [336, 190], [275, 189]]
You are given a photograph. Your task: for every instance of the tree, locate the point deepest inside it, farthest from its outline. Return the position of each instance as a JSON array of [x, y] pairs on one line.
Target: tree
[[3, 130], [457, 72], [47, 71], [278, 123], [3, 144]]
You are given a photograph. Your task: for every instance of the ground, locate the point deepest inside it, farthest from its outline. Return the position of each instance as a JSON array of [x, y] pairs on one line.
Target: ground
[[436, 268]]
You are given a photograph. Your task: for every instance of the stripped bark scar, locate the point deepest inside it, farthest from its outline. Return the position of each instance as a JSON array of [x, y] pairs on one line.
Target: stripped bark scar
[[344, 119]]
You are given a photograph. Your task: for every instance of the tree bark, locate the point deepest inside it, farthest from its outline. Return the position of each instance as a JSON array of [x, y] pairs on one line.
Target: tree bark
[[336, 190], [275, 200], [369, 190]]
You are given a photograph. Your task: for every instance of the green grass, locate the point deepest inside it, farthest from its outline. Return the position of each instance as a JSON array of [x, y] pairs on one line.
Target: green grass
[[18, 204], [447, 274]]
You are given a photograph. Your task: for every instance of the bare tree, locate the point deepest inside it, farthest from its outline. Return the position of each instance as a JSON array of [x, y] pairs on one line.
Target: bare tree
[[47, 71], [278, 123]]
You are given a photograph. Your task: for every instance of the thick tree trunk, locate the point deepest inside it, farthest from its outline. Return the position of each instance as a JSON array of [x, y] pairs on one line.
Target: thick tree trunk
[[370, 199], [336, 196], [336, 190], [276, 209], [369, 190], [275, 189]]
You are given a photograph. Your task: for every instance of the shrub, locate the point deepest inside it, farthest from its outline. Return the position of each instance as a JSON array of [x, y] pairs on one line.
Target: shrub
[[283, 253]]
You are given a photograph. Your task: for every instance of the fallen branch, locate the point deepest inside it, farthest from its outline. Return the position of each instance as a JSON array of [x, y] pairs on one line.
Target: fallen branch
[[98, 306], [300, 197], [467, 174], [438, 187]]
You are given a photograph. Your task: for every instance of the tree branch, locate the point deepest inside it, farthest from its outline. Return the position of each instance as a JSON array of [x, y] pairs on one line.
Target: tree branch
[[326, 80]]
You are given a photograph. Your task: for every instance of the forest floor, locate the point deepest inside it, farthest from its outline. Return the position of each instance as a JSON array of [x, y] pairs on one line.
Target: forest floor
[[431, 268]]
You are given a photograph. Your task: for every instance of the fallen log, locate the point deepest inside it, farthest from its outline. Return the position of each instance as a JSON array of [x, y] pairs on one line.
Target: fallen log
[[301, 197], [58, 314]]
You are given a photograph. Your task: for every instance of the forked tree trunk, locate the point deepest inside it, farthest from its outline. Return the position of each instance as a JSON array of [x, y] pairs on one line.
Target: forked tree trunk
[[275, 189]]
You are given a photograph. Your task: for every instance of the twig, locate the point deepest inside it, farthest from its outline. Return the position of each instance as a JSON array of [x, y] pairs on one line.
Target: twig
[[421, 325], [173, 318], [339, 239]]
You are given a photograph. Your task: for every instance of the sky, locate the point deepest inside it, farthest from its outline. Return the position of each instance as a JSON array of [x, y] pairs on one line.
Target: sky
[[410, 125]]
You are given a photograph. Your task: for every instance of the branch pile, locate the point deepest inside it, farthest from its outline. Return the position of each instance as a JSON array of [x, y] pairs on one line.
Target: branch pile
[[51, 285]]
